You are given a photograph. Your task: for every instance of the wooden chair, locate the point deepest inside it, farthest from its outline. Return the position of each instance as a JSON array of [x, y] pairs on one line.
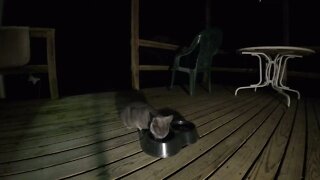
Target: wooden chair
[[15, 53], [198, 57]]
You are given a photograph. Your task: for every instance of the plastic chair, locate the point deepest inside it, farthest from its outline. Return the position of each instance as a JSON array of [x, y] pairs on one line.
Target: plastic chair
[[198, 57], [14, 47], [15, 55]]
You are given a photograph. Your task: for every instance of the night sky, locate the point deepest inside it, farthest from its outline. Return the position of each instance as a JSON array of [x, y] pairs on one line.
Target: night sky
[[93, 37]]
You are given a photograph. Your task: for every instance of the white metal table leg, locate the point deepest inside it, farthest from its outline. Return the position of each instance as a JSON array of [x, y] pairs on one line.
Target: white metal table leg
[[275, 78], [278, 81], [282, 73], [260, 83], [260, 72], [275, 66], [283, 93]]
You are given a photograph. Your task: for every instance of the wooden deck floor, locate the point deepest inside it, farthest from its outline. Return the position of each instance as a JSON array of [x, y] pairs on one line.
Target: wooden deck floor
[[252, 136]]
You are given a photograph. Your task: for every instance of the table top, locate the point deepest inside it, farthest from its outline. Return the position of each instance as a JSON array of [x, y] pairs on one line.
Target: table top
[[278, 50]]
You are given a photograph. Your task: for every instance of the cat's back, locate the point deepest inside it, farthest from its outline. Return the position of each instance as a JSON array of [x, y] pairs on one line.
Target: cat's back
[[141, 106], [136, 114]]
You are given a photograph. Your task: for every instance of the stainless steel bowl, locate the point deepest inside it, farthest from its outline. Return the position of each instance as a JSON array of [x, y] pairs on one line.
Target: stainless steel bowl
[[185, 130], [181, 133], [166, 147]]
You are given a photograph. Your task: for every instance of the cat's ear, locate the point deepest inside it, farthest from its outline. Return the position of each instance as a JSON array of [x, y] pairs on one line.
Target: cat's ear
[[159, 126], [162, 122], [168, 119]]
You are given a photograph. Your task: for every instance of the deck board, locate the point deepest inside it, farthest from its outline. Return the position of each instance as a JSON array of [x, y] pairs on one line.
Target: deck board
[[268, 163], [214, 158], [252, 135], [295, 152], [313, 151], [240, 162]]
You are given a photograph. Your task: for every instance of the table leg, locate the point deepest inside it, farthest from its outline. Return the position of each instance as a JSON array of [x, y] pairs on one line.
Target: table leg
[[275, 67], [277, 82], [280, 90], [260, 73], [282, 73], [260, 83], [274, 79]]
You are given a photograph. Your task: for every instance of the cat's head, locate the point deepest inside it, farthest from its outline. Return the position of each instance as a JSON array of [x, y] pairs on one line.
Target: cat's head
[[160, 126]]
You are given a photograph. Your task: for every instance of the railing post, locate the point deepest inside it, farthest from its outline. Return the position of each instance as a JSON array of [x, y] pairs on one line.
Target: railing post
[[51, 60], [135, 44]]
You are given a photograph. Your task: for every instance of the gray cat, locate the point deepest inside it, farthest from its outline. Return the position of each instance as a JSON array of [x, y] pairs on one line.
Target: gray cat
[[139, 114]]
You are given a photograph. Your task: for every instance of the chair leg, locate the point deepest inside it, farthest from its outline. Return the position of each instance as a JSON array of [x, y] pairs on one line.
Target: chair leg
[[209, 81], [192, 83], [2, 88], [172, 78]]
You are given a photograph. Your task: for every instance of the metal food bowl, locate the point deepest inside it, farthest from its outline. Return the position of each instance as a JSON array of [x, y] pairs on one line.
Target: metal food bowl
[[185, 130], [181, 133], [166, 147]]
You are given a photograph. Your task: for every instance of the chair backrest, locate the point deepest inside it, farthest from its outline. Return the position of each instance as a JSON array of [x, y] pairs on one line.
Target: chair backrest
[[209, 44], [14, 46]]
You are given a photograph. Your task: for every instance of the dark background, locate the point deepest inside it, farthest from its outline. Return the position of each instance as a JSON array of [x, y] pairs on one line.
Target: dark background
[[93, 38]]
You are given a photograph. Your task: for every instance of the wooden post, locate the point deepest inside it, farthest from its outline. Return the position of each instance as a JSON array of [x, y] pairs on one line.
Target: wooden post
[[135, 44], [286, 22], [208, 24], [286, 31], [208, 13], [2, 91], [2, 88], [51, 58], [1, 11]]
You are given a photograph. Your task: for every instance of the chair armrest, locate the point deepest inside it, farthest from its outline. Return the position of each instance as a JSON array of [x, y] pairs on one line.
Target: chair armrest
[[186, 51], [176, 62]]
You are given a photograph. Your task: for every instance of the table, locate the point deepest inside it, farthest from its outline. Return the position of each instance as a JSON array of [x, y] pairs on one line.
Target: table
[[276, 58]]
